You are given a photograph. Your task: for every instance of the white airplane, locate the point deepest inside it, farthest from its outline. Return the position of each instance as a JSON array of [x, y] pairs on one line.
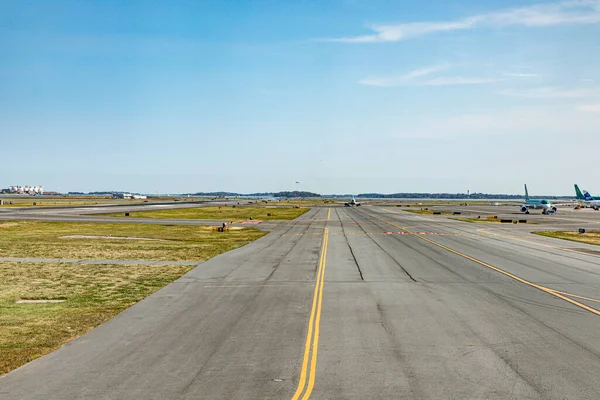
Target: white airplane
[[352, 203]]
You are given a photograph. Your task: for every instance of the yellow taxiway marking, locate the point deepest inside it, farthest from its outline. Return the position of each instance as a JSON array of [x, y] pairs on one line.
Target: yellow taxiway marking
[[577, 296], [536, 243], [513, 276], [311, 346]]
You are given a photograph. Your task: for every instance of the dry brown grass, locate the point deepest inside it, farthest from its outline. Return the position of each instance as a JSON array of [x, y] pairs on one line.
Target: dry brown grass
[[589, 237], [428, 212], [93, 294], [59, 202]]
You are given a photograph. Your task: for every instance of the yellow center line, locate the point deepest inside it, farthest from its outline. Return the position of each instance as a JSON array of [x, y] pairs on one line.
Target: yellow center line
[[515, 277], [315, 347], [314, 324]]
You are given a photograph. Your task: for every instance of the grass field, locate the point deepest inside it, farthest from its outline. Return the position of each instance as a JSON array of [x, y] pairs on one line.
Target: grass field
[[307, 202], [429, 203], [93, 293], [177, 243], [478, 220], [50, 202], [428, 212], [80, 201], [486, 220], [589, 237], [227, 213]]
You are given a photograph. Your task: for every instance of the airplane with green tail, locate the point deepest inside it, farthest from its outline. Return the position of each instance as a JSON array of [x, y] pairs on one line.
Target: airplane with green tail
[[587, 199], [531, 204]]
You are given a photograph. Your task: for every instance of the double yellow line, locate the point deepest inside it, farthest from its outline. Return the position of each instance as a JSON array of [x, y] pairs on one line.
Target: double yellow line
[[311, 347], [553, 292]]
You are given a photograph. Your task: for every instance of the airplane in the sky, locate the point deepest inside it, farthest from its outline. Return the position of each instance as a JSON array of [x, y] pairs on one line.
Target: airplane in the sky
[[587, 198], [352, 202], [545, 205]]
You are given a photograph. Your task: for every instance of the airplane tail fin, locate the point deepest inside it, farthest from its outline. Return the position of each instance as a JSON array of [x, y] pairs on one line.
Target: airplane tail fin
[[587, 196], [578, 193], [526, 193]]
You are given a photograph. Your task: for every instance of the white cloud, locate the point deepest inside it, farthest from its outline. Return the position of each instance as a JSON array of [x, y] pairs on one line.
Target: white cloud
[[414, 78], [563, 13], [521, 75], [590, 108], [457, 80], [568, 12], [588, 80], [394, 33], [399, 80], [553, 93], [423, 71]]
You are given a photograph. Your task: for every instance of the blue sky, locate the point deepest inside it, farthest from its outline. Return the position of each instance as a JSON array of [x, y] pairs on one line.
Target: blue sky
[[344, 96]]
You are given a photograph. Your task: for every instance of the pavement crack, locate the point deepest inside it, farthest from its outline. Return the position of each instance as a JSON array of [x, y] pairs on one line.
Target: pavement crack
[[350, 247], [382, 249]]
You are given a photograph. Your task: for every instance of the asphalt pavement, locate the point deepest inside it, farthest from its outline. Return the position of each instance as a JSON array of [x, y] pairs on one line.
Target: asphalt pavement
[[352, 303]]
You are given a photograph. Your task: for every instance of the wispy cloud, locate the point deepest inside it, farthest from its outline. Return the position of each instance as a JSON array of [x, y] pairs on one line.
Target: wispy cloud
[[562, 13], [521, 75], [422, 77], [423, 72], [553, 93], [590, 108], [394, 33], [402, 79], [521, 66], [457, 80]]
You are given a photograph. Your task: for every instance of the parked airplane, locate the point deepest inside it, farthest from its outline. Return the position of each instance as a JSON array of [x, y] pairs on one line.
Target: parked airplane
[[587, 198], [352, 202], [545, 205]]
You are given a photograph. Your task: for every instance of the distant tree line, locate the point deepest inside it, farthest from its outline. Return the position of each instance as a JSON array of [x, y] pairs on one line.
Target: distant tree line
[[475, 196]]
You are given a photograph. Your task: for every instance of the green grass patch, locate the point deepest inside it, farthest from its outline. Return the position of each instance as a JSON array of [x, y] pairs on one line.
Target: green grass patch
[[428, 212], [93, 293], [488, 220], [176, 243], [408, 203], [588, 237], [478, 220], [227, 213], [62, 202], [76, 201]]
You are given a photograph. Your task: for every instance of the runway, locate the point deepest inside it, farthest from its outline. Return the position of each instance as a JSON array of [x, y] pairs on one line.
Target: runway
[[353, 303]]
